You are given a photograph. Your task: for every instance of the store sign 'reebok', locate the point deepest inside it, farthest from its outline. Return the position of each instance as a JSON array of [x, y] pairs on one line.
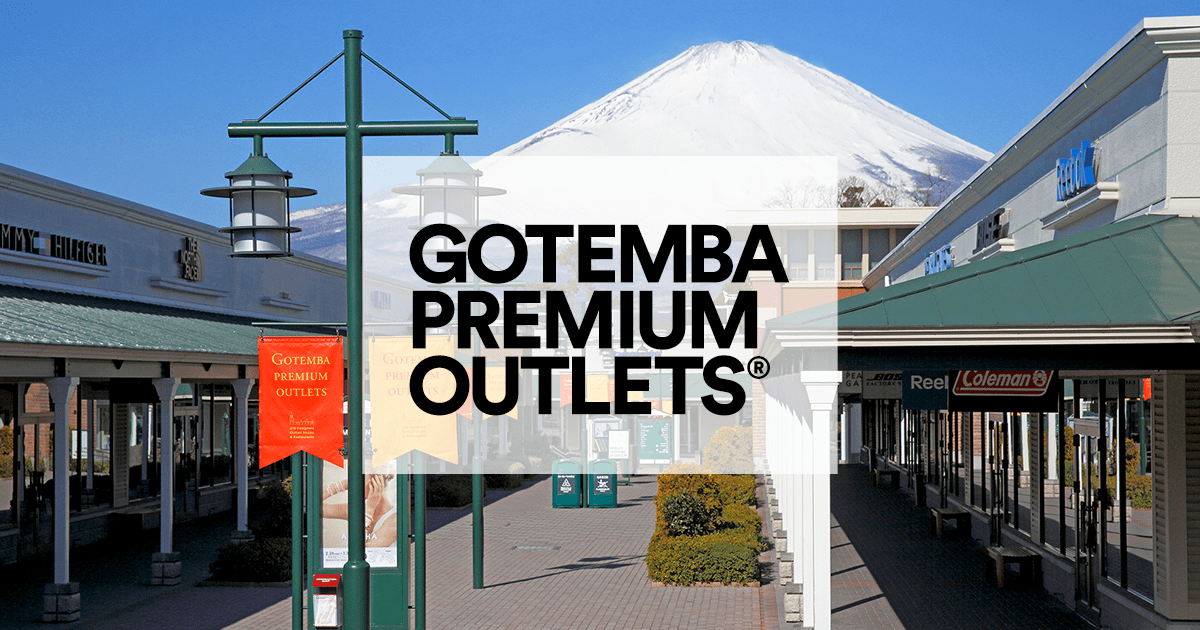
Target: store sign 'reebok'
[[300, 398], [1002, 382]]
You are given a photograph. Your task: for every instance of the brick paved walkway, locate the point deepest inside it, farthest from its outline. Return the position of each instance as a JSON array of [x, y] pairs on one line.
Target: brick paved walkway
[[594, 577], [888, 572]]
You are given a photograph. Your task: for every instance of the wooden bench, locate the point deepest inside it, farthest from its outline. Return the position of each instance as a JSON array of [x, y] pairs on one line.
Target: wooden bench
[[961, 518], [880, 473], [1028, 561]]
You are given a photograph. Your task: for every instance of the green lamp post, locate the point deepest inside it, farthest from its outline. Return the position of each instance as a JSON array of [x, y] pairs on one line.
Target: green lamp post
[[261, 234]]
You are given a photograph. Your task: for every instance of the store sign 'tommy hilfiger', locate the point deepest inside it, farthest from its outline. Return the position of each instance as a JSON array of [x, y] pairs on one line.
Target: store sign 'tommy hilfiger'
[[26, 240]]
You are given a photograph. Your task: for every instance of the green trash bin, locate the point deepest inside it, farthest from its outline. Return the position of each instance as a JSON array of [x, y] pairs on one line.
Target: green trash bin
[[567, 478], [602, 484]]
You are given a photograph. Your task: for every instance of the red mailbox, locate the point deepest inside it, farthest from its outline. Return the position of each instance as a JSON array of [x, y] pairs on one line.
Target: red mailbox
[[327, 600]]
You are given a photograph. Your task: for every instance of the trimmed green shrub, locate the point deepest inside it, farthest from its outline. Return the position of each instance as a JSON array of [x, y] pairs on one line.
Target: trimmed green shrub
[[274, 507], [504, 481], [718, 557], [685, 515], [707, 530], [260, 560], [682, 468], [730, 451], [1140, 491], [448, 491], [6, 452], [712, 489]]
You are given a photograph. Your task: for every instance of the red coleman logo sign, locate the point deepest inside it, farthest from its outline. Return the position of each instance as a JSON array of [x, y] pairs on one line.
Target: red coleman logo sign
[[300, 397], [1002, 382]]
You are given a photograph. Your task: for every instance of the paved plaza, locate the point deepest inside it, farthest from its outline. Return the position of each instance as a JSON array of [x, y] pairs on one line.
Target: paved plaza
[[585, 569]]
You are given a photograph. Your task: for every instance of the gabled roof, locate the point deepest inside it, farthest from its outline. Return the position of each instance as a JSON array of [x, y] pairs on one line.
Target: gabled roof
[[1140, 272]]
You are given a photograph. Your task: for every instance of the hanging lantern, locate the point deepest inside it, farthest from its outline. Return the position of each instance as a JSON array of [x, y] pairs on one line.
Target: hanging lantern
[[449, 190], [259, 205]]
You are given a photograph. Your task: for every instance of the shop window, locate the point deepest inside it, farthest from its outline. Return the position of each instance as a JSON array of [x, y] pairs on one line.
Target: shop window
[[825, 250], [878, 245], [852, 251], [797, 254]]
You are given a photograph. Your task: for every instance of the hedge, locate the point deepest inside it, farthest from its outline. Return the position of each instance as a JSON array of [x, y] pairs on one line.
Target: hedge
[[714, 490], [260, 560], [448, 491], [707, 530], [728, 557]]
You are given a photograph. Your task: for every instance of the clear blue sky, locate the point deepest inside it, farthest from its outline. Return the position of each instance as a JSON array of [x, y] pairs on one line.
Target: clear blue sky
[[132, 98]]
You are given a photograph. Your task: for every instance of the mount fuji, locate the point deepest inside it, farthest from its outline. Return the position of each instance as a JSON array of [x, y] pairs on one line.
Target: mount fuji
[[742, 98], [767, 112]]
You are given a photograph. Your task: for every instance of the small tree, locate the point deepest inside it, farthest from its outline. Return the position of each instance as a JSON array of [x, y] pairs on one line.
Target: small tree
[[806, 194], [930, 188], [854, 192]]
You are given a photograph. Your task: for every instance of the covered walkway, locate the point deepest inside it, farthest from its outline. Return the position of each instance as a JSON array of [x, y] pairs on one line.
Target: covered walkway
[[889, 572]]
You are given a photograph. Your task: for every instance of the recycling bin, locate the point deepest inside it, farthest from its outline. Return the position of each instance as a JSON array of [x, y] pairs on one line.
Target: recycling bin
[[327, 600], [567, 478], [602, 484]]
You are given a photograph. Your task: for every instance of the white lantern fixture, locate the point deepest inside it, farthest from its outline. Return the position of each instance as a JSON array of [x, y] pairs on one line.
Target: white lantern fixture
[[449, 191], [259, 205]]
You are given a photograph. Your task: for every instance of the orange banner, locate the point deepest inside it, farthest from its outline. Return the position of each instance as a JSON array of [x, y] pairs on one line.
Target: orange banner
[[564, 390], [299, 398], [398, 425]]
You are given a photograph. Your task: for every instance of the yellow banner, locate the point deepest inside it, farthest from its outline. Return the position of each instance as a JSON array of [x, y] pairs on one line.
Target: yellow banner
[[597, 388], [397, 424]]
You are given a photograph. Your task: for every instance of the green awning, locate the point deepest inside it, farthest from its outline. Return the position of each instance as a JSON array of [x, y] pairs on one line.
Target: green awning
[[1139, 272], [56, 319]]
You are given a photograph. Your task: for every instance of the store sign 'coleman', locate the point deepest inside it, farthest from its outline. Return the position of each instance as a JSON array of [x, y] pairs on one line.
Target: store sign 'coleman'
[[1005, 390], [1002, 382], [1076, 173]]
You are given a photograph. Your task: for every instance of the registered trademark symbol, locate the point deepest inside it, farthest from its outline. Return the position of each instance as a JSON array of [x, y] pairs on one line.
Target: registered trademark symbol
[[758, 367]]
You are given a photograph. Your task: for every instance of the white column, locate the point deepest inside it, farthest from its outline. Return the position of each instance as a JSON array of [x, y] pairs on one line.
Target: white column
[[91, 447], [844, 416], [166, 410], [19, 444], [61, 390], [822, 397], [1024, 442], [1052, 447], [241, 396], [147, 422], [854, 415]]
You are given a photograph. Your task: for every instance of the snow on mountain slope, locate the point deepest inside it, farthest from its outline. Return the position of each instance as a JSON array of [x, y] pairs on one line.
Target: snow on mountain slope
[[754, 104], [742, 98]]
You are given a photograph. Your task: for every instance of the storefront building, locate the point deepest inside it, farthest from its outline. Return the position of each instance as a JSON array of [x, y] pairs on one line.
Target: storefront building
[[128, 368], [1071, 258]]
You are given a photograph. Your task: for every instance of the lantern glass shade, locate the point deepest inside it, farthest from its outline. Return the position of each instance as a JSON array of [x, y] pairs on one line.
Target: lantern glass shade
[[449, 193], [259, 219]]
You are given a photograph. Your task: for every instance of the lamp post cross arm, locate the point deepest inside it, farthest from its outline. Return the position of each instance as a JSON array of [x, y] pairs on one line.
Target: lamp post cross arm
[[456, 127]]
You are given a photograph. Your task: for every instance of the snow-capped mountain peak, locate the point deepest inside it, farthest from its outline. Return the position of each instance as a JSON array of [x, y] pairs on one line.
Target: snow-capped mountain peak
[[743, 98]]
